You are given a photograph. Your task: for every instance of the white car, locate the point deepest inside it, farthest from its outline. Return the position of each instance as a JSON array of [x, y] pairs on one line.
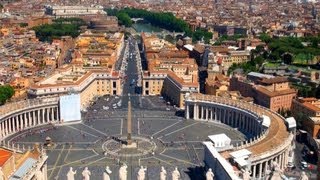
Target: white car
[[304, 164]]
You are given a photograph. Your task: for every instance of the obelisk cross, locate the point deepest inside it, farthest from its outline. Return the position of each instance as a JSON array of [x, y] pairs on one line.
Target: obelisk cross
[[129, 122]]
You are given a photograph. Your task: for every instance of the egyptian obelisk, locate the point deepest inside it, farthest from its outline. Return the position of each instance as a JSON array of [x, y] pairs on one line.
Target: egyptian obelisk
[[129, 122]]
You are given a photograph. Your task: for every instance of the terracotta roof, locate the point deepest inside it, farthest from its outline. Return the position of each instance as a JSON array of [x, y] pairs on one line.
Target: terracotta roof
[[311, 106], [274, 80], [4, 156], [275, 93]]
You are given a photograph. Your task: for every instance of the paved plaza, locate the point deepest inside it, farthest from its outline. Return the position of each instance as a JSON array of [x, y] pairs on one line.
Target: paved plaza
[[163, 136], [177, 141]]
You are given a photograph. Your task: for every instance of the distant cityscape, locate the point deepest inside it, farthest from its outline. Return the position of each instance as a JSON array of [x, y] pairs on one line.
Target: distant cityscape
[[146, 89]]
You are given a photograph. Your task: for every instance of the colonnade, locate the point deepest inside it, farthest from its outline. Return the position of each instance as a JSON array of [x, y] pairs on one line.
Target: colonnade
[[246, 121], [28, 118], [232, 116], [262, 169]]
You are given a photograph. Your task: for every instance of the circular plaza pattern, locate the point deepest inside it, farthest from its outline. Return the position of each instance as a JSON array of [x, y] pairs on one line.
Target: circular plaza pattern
[[164, 139], [144, 147]]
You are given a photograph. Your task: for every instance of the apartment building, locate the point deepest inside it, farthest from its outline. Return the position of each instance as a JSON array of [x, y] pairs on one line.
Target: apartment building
[[170, 71], [268, 91], [92, 72]]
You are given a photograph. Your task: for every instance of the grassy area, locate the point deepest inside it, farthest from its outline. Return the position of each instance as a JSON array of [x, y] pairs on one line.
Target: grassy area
[[272, 65]]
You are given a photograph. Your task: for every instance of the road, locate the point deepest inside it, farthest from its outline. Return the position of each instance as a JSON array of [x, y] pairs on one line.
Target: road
[[130, 83]]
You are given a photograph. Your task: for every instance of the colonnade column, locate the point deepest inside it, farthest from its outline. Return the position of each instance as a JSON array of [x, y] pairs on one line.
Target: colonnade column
[[42, 120], [8, 125], [57, 111], [201, 112], [33, 118], [48, 115], [207, 113], [260, 170], [29, 118], [2, 130], [254, 171], [195, 111], [52, 114], [187, 111]]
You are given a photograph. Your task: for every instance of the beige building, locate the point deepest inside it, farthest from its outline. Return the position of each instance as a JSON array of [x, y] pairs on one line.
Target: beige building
[[92, 72], [231, 57], [73, 11], [170, 73], [268, 91], [307, 110], [88, 82]]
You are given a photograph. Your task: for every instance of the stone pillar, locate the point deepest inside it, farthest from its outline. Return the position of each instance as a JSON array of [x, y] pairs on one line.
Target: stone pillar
[[8, 125], [283, 165], [207, 113], [254, 171], [20, 122], [52, 114], [48, 115], [15, 124], [202, 113], [38, 116], [2, 129], [212, 114], [42, 120], [30, 119], [57, 111], [33, 118], [187, 111], [25, 120], [195, 112], [265, 168], [260, 171], [5, 127]]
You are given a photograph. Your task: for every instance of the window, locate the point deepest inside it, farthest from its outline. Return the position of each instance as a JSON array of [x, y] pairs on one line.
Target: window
[[147, 84], [114, 84]]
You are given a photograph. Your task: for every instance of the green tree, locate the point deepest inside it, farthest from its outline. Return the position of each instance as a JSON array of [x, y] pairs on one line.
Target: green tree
[[60, 27], [265, 38], [124, 19], [23, 24], [6, 92]]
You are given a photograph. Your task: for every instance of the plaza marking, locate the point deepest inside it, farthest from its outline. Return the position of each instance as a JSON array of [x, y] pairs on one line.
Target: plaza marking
[[162, 160], [181, 129], [138, 126], [55, 164], [82, 131], [94, 129], [92, 162], [79, 160], [187, 162], [160, 118], [166, 128], [196, 153], [121, 126], [64, 160], [189, 156], [186, 142]]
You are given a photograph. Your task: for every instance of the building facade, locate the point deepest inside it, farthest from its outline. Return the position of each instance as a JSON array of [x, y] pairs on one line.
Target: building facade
[[73, 11], [268, 91], [170, 72]]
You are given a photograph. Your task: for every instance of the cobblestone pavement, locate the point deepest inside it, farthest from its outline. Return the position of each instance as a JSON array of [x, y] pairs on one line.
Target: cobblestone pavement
[[80, 145]]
